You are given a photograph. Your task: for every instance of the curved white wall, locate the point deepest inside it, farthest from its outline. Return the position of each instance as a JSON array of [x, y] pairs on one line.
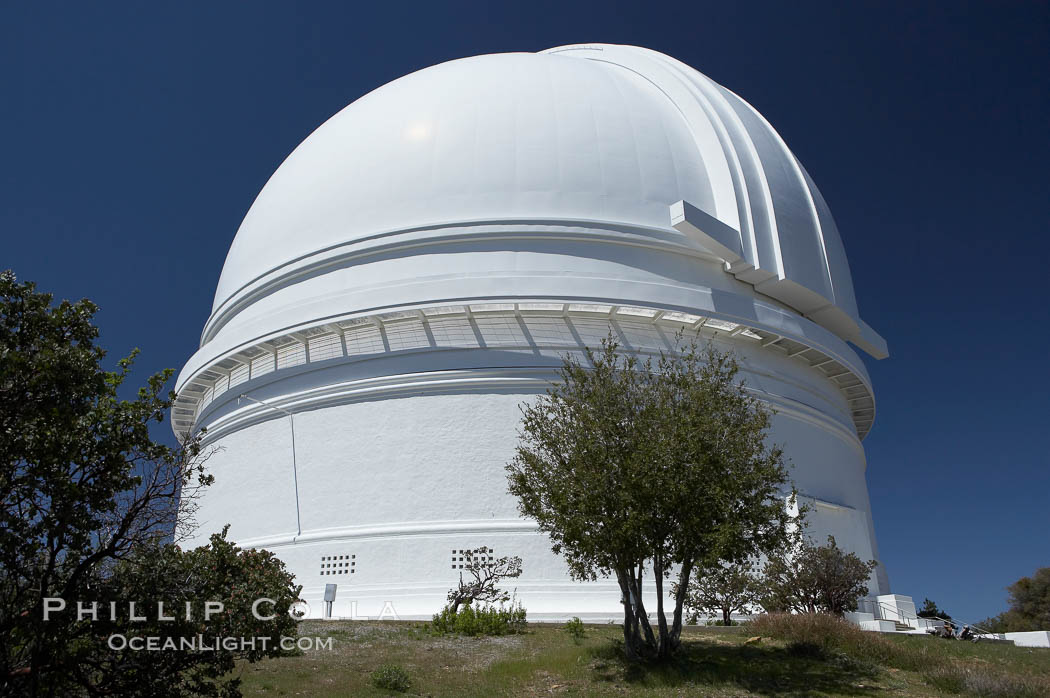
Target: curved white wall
[[400, 460]]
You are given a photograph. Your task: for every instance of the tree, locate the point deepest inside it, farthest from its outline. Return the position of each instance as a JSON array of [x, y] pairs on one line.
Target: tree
[[725, 589], [930, 610], [218, 572], [630, 464], [815, 579], [1030, 598], [485, 574], [83, 488], [1029, 605]]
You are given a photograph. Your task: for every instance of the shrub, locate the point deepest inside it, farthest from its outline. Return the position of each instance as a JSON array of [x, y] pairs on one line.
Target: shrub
[[484, 620], [391, 677], [824, 635], [803, 627], [575, 629]]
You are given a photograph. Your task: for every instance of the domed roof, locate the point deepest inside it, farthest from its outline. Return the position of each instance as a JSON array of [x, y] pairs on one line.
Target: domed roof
[[615, 135]]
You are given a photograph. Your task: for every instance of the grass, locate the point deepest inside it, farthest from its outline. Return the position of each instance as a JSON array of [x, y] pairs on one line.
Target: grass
[[714, 661], [952, 667]]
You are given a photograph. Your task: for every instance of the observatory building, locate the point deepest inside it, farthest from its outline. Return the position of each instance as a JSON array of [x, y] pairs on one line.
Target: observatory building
[[420, 264]]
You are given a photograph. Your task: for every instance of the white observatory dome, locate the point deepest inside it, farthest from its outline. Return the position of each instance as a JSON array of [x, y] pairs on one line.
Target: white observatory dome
[[450, 235]]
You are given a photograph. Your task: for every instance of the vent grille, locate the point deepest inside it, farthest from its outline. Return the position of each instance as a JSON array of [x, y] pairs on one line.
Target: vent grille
[[486, 556], [338, 564]]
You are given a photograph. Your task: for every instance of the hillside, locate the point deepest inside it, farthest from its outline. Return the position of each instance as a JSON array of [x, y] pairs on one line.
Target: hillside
[[715, 662]]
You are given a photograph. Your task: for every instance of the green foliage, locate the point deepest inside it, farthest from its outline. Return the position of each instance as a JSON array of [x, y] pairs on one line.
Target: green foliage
[[219, 571], [629, 464], [391, 677], [724, 589], [82, 484], [1030, 599], [484, 620], [1029, 605], [86, 497], [1008, 621], [575, 629], [930, 610], [815, 579]]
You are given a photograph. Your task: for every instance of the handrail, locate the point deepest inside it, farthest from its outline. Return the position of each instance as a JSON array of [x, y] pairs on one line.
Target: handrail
[[904, 617], [978, 630]]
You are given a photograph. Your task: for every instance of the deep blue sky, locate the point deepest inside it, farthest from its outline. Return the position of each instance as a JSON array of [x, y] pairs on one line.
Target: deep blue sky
[[136, 137]]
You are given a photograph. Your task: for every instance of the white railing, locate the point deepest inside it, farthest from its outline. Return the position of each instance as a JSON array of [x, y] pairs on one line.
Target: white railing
[[884, 611]]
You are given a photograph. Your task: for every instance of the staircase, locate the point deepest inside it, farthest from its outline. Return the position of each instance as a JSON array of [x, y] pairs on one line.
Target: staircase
[[904, 619]]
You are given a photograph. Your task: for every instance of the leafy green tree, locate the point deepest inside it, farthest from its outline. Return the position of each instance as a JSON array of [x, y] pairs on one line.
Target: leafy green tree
[[1030, 598], [812, 579], [630, 464], [85, 492], [256, 594], [930, 610], [1029, 605], [726, 589]]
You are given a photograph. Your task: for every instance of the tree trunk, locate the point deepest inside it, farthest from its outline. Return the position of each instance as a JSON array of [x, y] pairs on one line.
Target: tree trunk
[[456, 603], [663, 650], [646, 646], [631, 640], [679, 602]]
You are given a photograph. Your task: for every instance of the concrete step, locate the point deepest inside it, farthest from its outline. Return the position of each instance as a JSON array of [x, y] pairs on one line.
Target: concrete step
[[901, 627]]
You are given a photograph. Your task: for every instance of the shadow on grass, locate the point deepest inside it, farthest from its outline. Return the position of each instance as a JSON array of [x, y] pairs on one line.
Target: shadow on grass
[[760, 670]]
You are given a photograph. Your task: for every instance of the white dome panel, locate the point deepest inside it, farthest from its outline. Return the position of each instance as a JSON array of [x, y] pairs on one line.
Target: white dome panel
[[501, 137]]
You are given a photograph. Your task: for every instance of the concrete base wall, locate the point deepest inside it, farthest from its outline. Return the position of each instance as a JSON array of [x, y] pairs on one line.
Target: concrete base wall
[[1035, 638], [390, 491]]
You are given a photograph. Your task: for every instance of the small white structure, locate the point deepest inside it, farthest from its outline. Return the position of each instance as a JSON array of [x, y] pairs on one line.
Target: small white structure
[[1034, 638], [420, 264], [896, 607], [892, 613]]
